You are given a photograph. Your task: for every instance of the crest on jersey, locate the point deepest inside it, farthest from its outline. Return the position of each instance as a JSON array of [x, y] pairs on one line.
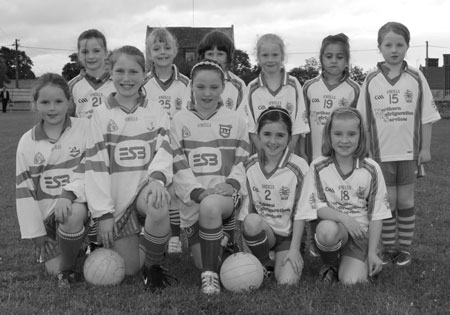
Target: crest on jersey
[[225, 130], [74, 151], [284, 192], [185, 132], [290, 108], [178, 103], [229, 103], [39, 158], [409, 96], [112, 126], [343, 102], [150, 123], [361, 193]]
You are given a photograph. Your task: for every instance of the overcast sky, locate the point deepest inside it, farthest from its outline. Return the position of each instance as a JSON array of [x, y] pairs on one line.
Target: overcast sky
[[48, 29]]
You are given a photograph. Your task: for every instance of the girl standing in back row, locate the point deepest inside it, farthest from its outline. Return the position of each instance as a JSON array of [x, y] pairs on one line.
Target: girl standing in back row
[[398, 106], [91, 87], [275, 88]]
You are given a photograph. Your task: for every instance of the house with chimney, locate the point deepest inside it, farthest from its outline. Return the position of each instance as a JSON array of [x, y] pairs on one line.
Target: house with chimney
[[438, 77]]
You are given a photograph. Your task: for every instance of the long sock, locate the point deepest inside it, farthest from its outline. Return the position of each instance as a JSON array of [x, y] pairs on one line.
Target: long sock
[[406, 219], [329, 254], [210, 248], [259, 246], [174, 215], [389, 232], [154, 246], [229, 226], [70, 244]]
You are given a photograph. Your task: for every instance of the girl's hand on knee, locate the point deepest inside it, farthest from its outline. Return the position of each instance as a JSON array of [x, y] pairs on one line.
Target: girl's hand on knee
[[107, 229], [157, 194], [354, 228], [375, 264], [295, 258], [63, 209], [224, 189]]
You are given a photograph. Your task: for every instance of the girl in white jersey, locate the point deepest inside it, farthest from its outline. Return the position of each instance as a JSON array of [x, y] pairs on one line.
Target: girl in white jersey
[[274, 87], [49, 157], [90, 88], [398, 106], [347, 190], [272, 216], [210, 145], [166, 86], [128, 166], [333, 88]]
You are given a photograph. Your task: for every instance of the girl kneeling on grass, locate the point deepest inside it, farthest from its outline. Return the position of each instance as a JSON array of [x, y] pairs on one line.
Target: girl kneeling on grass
[[348, 191], [210, 145], [49, 157], [273, 217]]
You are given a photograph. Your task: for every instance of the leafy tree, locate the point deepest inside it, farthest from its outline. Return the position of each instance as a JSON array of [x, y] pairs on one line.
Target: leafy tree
[[310, 70], [24, 64], [3, 70], [71, 69], [242, 67], [357, 74]]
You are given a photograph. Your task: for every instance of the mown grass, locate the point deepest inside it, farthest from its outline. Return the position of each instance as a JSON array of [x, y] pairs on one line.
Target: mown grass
[[421, 288]]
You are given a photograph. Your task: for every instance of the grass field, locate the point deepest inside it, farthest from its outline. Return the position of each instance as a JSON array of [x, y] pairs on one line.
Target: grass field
[[421, 288]]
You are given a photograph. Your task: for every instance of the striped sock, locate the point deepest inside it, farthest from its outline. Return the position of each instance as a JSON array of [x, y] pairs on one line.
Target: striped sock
[[70, 244], [329, 254], [229, 226], [210, 247], [259, 246], [406, 226], [174, 215], [389, 232], [154, 246]]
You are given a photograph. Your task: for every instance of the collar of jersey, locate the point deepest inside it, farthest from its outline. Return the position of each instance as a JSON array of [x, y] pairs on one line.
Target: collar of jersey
[[381, 65], [284, 78], [196, 112], [40, 134], [112, 103], [102, 79]]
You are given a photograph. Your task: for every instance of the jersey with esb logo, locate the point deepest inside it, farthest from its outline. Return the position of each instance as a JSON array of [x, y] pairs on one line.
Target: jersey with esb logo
[[134, 143], [207, 151], [86, 96], [43, 168], [275, 195]]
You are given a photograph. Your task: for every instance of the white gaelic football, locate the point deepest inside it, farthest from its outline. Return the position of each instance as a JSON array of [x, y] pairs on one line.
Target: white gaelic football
[[241, 272], [104, 267]]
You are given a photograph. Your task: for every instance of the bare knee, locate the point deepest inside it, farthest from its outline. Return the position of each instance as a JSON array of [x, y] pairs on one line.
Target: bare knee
[[156, 214], [252, 224], [327, 232], [77, 218]]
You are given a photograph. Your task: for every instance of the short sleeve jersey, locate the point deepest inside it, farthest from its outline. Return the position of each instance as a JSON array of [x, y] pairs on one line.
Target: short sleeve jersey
[[275, 195], [361, 194], [43, 167], [88, 93], [289, 96], [395, 110], [168, 94], [320, 100]]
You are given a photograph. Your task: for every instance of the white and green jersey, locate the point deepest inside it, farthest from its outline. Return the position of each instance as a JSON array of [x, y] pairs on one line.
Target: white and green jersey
[[125, 147], [361, 194], [275, 195], [169, 94], [289, 96], [321, 99], [207, 151], [394, 111], [89, 93], [43, 168]]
